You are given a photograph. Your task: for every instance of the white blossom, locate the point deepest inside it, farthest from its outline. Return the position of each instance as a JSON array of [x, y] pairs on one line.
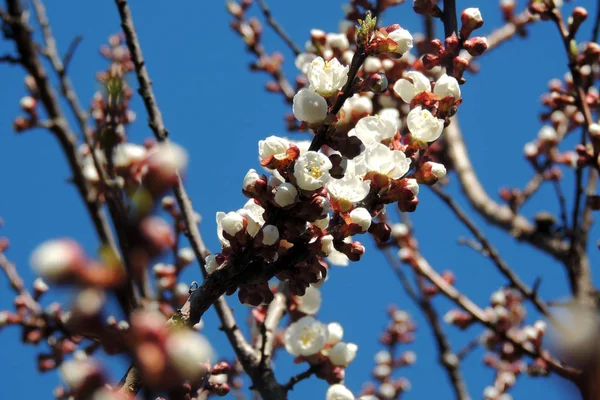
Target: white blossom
[[357, 104], [310, 303], [391, 114], [338, 258], [411, 85], [372, 65], [423, 126], [412, 185], [392, 163], [311, 170], [447, 86], [387, 390], [374, 129], [362, 217], [211, 263], [342, 354], [403, 39], [305, 337], [548, 133], [337, 41], [322, 222], [350, 188], [309, 106], [231, 223], [383, 357], [169, 157], [303, 61], [327, 77], [254, 216], [335, 333], [338, 392], [270, 235], [286, 194], [327, 244], [273, 146]]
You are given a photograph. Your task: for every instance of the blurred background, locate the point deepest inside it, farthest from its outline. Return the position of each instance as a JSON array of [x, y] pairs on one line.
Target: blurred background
[[218, 110]]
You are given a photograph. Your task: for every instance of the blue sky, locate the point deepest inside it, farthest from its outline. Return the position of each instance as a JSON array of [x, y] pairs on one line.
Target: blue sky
[[214, 106]]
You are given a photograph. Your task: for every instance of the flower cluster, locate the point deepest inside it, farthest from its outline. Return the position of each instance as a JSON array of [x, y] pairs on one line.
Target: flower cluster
[[399, 331]]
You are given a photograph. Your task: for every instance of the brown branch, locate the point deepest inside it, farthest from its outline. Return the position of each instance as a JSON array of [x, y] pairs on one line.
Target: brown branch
[[7, 58], [300, 377], [447, 358], [22, 36], [494, 213], [506, 32], [422, 267], [578, 262], [16, 283], [493, 254], [277, 28]]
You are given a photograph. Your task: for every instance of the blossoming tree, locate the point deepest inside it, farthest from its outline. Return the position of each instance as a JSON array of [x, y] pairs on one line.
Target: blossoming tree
[[379, 107]]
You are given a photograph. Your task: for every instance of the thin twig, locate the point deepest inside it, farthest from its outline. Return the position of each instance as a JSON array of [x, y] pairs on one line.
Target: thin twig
[[422, 267], [277, 28], [447, 358], [493, 253], [300, 377]]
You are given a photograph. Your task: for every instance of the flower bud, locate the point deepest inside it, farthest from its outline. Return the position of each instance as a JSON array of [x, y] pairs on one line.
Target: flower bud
[[28, 103], [185, 256], [403, 40], [338, 392], [335, 333], [327, 244], [342, 354], [188, 352], [56, 260], [270, 235], [594, 130], [308, 106], [447, 86], [476, 46], [250, 180], [471, 19], [361, 217], [232, 223], [286, 194]]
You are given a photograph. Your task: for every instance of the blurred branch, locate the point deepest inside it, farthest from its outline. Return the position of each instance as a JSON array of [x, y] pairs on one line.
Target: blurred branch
[[277, 28], [300, 377], [27, 48]]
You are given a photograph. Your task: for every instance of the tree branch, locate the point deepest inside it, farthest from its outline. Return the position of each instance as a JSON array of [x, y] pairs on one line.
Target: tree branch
[[447, 358], [494, 213], [277, 28], [494, 255]]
